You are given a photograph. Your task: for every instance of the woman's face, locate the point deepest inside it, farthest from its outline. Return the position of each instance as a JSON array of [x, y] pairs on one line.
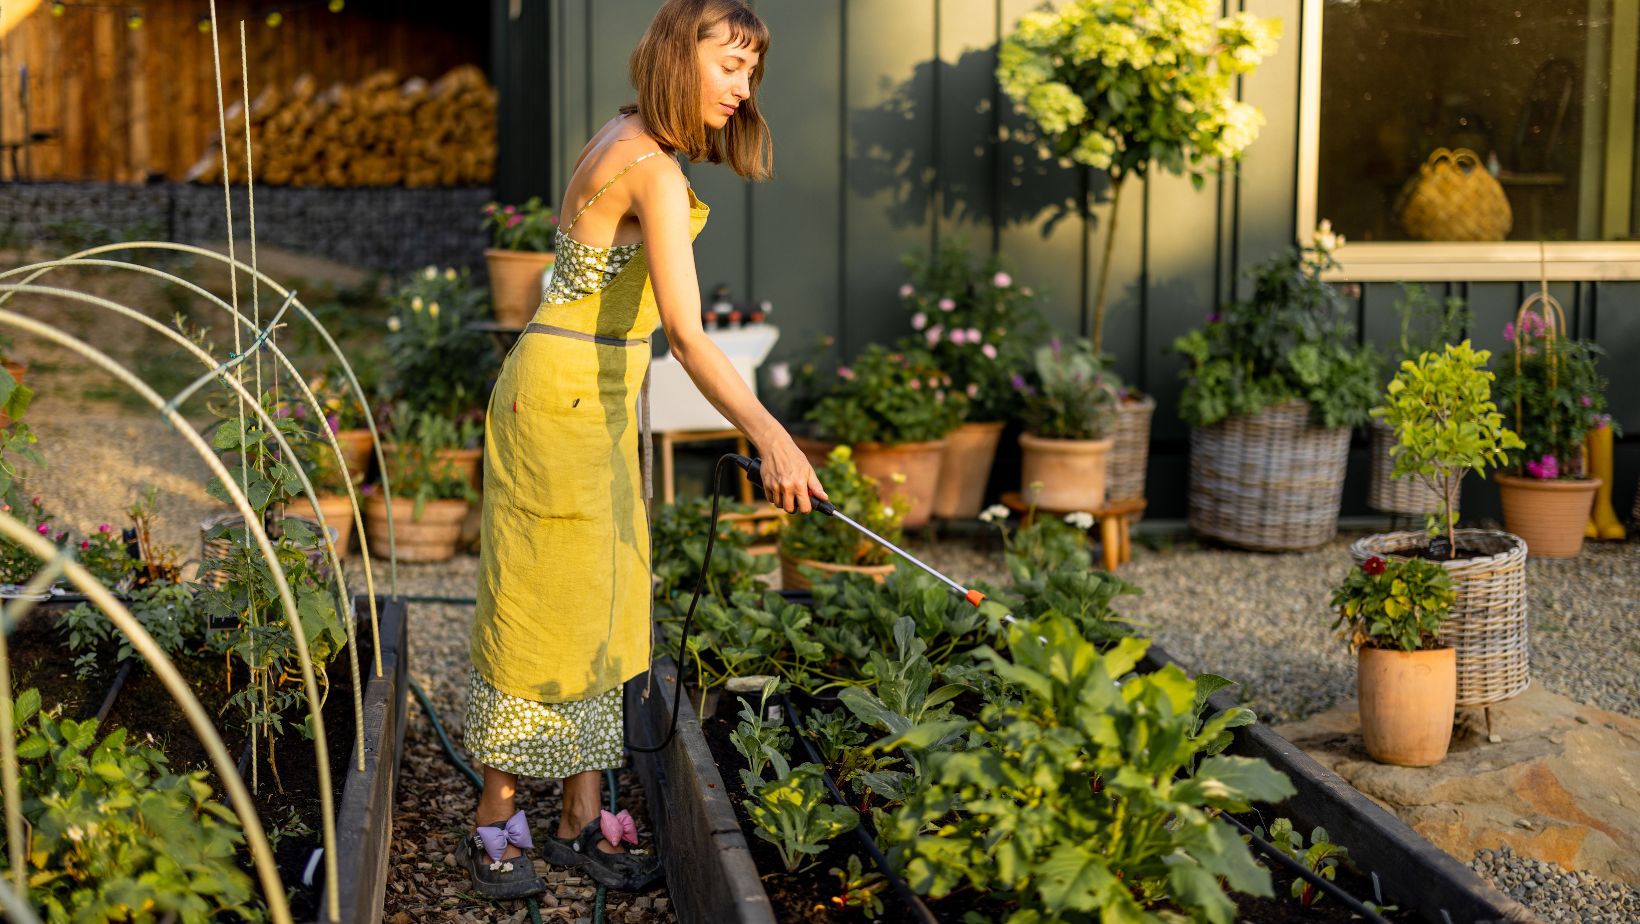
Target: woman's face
[[725, 76]]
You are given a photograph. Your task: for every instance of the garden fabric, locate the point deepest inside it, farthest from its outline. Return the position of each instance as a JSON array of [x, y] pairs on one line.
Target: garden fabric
[[564, 588]]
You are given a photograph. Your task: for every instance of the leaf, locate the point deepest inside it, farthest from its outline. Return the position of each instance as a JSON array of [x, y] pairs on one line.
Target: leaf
[[1074, 878], [925, 736], [33, 747], [25, 706]]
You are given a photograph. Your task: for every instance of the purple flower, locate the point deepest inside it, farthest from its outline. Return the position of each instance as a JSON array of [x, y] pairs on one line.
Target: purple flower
[[85, 544], [333, 423], [845, 373], [1213, 317], [1018, 382], [989, 350], [1509, 331], [948, 304], [1587, 401], [1002, 280], [368, 490], [1056, 346], [1547, 469]]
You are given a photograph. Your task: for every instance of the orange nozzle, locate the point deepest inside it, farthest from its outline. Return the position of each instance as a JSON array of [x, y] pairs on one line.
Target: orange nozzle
[[975, 597]]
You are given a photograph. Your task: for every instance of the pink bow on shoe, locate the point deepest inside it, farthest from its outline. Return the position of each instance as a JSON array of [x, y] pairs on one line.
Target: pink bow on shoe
[[617, 828], [515, 832]]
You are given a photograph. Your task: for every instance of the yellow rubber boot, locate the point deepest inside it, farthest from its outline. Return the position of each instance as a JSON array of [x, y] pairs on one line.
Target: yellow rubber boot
[[1603, 522]]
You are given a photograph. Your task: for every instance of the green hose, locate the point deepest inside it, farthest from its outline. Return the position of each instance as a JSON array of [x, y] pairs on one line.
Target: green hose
[[478, 784]]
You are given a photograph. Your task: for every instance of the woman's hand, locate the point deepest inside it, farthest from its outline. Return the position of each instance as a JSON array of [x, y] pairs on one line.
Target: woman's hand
[[788, 478]]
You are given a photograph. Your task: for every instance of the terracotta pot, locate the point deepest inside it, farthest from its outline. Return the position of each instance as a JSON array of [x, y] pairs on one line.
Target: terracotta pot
[[338, 514], [1130, 453], [815, 450], [17, 370], [918, 462], [1072, 472], [792, 579], [1549, 515], [1407, 703], [432, 538], [965, 469], [465, 463], [358, 451], [515, 283]]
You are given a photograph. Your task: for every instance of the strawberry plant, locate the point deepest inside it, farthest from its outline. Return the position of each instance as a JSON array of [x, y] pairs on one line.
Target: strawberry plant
[[1321, 857]]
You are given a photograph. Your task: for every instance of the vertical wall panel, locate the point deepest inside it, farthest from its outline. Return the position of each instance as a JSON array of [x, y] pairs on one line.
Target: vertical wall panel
[[1267, 204], [967, 113]]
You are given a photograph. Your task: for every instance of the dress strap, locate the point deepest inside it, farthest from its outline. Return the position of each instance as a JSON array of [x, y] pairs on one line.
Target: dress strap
[[605, 188]]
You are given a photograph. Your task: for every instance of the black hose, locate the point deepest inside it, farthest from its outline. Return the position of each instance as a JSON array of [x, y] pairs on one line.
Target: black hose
[[1303, 872]]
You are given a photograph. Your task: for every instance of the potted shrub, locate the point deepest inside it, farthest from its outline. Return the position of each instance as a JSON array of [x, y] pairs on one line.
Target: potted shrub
[[346, 418], [1550, 382], [895, 409], [976, 322], [1069, 404], [522, 239], [1445, 425], [1273, 385], [1101, 107], [1406, 680], [432, 497], [437, 364], [1427, 325], [827, 544]]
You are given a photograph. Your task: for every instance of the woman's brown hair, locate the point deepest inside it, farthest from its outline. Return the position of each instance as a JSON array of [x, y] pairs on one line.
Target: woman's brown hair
[[666, 73]]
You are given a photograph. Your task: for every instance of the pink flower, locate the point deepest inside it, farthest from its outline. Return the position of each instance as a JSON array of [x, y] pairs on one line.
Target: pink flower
[[916, 384], [1002, 280], [42, 529], [947, 304], [919, 321], [508, 210], [515, 221], [989, 350], [907, 290], [85, 544], [1509, 331], [933, 383], [933, 334], [972, 389], [1547, 469], [102, 527], [959, 336], [845, 373], [1587, 401], [489, 209], [973, 335]]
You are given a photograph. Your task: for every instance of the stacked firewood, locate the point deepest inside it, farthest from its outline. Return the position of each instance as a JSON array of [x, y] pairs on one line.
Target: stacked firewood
[[382, 131]]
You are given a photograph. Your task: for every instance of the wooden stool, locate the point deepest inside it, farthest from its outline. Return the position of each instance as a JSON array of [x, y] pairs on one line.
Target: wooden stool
[[671, 438], [1115, 523]]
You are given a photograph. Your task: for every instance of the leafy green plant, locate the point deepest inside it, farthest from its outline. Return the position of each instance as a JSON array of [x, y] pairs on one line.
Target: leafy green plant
[[760, 740], [679, 539], [1552, 385], [827, 539], [531, 226], [113, 835], [1399, 603], [415, 461], [1090, 794], [975, 321], [797, 816], [1321, 857], [889, 397], [1121, 86], [833, 731], [436, 362], [1440, 407], [1428, 324], [1291, 340], [1070, 395], [165, 610], [860, 889], [905, 699]]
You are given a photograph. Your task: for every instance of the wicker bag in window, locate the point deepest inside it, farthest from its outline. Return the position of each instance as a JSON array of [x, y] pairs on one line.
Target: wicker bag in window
[[1453, 198]]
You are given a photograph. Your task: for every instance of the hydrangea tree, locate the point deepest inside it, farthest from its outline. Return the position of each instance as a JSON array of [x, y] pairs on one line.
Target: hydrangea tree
[[1120, 85]]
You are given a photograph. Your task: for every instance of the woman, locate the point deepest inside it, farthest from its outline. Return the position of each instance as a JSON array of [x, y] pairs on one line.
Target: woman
[[564, 586]]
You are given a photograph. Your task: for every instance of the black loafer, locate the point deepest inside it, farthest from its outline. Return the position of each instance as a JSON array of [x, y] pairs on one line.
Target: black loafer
[[515, 878], [623, 872]]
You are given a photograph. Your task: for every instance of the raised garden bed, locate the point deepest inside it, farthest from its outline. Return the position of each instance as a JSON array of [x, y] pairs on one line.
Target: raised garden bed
[[714, 864]]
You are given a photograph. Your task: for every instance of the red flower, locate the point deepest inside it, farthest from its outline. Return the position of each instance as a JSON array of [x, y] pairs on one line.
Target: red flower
[[1373, 566]]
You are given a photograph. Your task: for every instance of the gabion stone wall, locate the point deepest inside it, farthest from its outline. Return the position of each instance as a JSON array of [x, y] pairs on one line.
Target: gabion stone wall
[[390, 229]]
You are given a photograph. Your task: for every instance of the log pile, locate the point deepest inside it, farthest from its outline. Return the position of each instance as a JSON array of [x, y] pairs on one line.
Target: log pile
[[382, 131]]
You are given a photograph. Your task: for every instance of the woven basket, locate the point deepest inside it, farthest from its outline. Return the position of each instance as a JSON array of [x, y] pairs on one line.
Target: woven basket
[[1398, 495], [1125, 467], [318, 556], [1453, 198], [1268, 481], [1487, 624]]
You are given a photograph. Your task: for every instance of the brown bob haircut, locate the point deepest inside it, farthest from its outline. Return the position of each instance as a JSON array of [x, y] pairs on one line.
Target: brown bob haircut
[[666, 73]]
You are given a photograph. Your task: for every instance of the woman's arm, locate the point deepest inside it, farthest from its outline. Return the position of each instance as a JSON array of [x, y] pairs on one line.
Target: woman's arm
[[660, 199]]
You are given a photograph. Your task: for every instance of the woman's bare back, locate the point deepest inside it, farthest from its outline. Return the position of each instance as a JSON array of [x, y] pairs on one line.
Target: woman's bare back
[[610, 221]]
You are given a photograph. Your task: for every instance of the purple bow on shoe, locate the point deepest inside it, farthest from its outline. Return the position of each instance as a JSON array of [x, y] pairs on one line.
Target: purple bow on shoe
[[516, 832]]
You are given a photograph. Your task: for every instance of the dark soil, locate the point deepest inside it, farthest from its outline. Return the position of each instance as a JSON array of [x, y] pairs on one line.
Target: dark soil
[[1283, 907], [143, 707], [1431, 553]]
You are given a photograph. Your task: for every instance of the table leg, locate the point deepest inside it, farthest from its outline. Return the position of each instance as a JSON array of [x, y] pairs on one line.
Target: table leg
[[1127, 540], [1110, 540], [668, 475]]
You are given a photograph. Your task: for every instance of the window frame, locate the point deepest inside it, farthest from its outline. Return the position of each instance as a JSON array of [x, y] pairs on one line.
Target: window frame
[[1437, 261]]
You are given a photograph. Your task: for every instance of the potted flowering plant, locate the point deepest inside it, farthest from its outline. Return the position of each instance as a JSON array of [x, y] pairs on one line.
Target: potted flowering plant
[[1390, 612], [1069, 403], [1116, 104], [346, 418], [976, 322], [1551, 383], [522, 241], [895, 409], [1273, 385], [437, 365], [432, 493], [821, 543]]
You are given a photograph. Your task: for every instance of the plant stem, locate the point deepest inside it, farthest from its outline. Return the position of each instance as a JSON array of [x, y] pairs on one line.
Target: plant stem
[[1116, 180]]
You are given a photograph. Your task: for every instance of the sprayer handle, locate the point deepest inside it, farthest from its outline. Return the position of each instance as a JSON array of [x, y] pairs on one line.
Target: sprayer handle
[[754, 473]]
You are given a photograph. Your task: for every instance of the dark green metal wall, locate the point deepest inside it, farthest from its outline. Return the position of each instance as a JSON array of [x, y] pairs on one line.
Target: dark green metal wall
[[891, 136]]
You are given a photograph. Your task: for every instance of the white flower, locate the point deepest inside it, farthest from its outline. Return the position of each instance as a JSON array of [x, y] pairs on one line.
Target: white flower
[[780, 375], [994, 513], [1324, 240], [906, 291], [393, 323], [888, 511], [430, 272], [415, 303], [1081, 519]]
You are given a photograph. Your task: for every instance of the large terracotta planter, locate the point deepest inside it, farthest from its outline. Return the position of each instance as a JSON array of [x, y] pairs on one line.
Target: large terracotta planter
[[1548, 514], [17, 370], [918, 462], [792, 579], [515, 283], [357, 452], [1071, 472], [465, 464], [965, 469], [431, 538], [338, 514], [815, 450], [1407, 702], [1130, 454]]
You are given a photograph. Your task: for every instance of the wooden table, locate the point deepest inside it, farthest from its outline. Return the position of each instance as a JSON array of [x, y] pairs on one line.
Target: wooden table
[[672, 438], [1115, 523]]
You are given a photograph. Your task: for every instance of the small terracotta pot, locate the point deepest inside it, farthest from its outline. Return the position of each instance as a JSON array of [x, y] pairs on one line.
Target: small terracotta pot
[[432, 538], [1548, 514], [1407, 703], [918, 462], [515, 283], [17, 370], [815, 450], [338, 514], [965, 469], [1072, 472], [358, 451], [792, 579]]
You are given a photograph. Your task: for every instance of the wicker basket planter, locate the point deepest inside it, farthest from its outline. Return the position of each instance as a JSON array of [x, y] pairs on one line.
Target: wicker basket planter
[[1487, 624], [965, 469], [1125, 472], [1548, 514], [1268, 481], [1397, 495]]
